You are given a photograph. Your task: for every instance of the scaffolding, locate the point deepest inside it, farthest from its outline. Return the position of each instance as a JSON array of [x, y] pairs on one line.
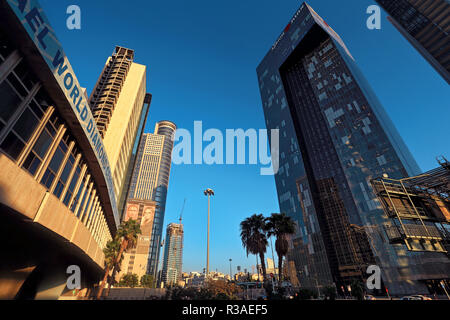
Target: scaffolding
[[419, 209]]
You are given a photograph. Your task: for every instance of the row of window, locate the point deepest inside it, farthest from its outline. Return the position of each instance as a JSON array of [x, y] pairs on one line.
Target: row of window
[[33, 134]]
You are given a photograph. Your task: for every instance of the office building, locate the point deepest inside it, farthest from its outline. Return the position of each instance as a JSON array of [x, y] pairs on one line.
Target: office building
[[419, 208], [173, 255], [120, 106], [150, 180], [57, 200], [136, 259], [426, 25], [334, 138]]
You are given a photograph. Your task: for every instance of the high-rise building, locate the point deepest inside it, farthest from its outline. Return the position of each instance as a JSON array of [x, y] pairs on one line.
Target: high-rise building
[[136, 260], [334, 138], [173, 254], [120, 105], [150, 180], [426, 25]]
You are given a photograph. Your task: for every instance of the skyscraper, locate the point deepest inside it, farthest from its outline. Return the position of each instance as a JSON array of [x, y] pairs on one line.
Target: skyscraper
[[150, 180], [173, 254], [118, 103], [334, 137], [426, 25]]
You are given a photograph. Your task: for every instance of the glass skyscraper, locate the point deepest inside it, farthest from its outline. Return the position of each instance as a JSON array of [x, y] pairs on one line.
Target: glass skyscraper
[[150, 181], [425, 24], [173, 254], [334, 138]]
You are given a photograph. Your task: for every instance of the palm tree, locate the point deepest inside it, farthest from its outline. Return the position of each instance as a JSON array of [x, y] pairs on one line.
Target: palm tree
[[127, 236], [280, 225], [128, 232], [111, 251], [254, 239]]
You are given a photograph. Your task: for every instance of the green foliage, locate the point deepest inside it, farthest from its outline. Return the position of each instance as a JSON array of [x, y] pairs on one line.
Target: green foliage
[[253, 234], [147, 281], [129, 280], [213, 290], [129, 232], [254, 238], [280, 225], [357, 289], [329, 292], [305, 294], [111, 251]]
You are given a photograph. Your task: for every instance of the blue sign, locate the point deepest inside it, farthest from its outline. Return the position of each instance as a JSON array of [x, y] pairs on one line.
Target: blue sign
[[41, 33]]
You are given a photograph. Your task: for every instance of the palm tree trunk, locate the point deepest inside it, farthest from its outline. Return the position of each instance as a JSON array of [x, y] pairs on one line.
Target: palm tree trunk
[[280, 265], [119, 256], [102, 286], [263, 264]]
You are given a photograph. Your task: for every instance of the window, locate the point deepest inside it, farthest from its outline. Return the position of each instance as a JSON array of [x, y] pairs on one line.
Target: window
[[54, 165], [72, 185], [38, 152], [25, 75], [26, 124], [64, 176], [9, 102], [78, 195], [5, 48], [12, 145]]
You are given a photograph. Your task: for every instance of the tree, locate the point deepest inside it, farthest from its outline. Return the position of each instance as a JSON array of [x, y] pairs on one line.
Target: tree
[[110, 251], [357, 289], [147, 281], [222, 290], [330, 293], [281, 226], [129, 280], [254, 239], [127, 235]]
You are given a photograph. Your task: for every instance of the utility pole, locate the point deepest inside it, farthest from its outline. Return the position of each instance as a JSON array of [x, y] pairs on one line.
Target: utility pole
[[208, 193]]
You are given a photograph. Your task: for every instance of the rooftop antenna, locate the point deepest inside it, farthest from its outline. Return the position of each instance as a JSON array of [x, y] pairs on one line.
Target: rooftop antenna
[[182, 209]]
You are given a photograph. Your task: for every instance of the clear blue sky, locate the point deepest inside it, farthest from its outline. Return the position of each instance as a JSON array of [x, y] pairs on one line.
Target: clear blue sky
[[202, 56]]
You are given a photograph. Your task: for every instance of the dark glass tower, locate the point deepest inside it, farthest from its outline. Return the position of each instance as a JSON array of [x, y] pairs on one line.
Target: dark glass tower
[[334, 138], [426, 25]]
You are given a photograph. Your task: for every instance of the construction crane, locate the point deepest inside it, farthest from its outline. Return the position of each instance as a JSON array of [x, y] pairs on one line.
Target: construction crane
[[182, 209]]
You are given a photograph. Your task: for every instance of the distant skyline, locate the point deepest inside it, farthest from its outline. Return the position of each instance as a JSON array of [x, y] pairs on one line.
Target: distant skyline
[[201, 60]]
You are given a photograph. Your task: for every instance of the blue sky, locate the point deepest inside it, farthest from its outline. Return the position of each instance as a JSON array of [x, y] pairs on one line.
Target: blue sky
[[202, 56]]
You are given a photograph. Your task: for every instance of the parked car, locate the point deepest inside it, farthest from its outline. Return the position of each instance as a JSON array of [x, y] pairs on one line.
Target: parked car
[[421, 297], [411, 298], [369, 297]]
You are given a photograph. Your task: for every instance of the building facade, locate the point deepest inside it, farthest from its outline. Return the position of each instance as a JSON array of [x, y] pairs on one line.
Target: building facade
[[119, 104], [57, 200], [150, 180], [426, 25], [334, 138], [136, 260], [173, 255]]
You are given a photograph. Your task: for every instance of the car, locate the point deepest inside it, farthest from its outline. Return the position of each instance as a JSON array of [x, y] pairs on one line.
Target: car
[[369, 297], [410, 298], [421, 297]]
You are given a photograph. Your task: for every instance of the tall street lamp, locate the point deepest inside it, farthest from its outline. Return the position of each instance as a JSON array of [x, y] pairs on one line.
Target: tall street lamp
[[209, 193], [231, 272]]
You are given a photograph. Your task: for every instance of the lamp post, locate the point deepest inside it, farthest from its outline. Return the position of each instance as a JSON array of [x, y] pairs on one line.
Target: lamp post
[[209, 193], [231, 272]]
